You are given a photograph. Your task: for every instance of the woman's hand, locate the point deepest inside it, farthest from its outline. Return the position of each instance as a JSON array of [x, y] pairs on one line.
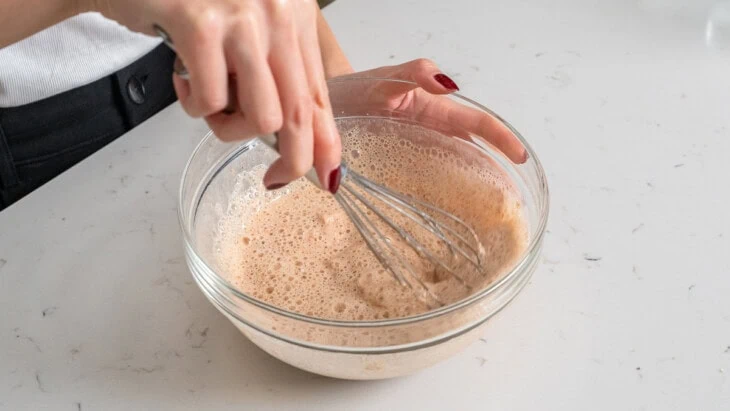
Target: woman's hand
[[268, 51], [423, 100]]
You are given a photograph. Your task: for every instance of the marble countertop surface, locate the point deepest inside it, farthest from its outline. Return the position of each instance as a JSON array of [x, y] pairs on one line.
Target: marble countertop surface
[[627, 104]]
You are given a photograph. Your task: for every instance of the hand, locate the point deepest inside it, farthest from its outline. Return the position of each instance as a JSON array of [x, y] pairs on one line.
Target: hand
[[268, 51], [421, 98]]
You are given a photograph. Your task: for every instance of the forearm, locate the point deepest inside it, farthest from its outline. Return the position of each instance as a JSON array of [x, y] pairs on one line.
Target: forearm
[[333, 58], [22, 18]]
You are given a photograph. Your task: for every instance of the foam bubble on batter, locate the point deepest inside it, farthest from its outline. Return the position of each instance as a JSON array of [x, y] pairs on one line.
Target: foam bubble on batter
[[297, 249]]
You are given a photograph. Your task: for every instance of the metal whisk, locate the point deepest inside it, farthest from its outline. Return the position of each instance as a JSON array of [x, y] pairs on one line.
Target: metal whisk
[[449, 235]]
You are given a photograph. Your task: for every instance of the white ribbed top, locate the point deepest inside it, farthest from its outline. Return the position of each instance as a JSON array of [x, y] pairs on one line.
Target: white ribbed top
[[70, 54]]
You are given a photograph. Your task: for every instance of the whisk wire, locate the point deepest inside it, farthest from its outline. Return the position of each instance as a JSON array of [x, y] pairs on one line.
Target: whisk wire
[[365, 229], [399, 202], [368, 230], [401, 199], [476, 259], [405, 235]]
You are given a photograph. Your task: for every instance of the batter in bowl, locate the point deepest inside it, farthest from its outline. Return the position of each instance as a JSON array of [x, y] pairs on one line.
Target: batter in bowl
[[297, 249]]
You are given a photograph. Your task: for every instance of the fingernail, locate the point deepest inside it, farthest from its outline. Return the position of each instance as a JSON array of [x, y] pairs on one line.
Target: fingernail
[[334, 180], [446, 81], [275, 186]]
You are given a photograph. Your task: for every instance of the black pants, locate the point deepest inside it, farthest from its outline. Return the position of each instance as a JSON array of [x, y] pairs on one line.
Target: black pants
[[40, 140]]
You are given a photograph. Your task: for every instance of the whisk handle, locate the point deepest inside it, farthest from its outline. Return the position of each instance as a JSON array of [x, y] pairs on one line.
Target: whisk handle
[[272, 140]]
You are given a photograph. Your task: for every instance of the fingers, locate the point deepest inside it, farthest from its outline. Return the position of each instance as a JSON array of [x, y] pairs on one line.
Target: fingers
[[327, 144], [488, 127], [296, 144], [272, 52], [258, 109], [426, 74], [429, 77], [199, 42], [258, 98]]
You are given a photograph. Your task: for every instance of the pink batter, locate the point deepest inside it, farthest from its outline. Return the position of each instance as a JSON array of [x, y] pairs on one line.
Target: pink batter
[[297, 249]]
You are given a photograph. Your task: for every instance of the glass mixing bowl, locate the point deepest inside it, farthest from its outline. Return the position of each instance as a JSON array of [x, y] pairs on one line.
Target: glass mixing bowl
[[354, 349]]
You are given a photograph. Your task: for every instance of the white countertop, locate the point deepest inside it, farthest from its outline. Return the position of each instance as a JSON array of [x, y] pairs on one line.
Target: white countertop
[[627, 104]]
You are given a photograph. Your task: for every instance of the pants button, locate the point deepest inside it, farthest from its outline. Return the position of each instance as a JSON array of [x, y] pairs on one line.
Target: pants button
[[136, 90]]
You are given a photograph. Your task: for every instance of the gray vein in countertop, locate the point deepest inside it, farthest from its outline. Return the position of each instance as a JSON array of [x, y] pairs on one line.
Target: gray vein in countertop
[[167, 190], [19, 335], [665, 359], [200, 336], [584, 314], [429, 35], [165, 281], [49, 311], [561, 79], [136, 370], [175, 260], [39, 383], [167, 354]]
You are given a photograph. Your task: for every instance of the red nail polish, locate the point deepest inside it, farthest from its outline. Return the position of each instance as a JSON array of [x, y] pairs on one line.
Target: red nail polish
[[276, 186], [446, 81], [334, 180]]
